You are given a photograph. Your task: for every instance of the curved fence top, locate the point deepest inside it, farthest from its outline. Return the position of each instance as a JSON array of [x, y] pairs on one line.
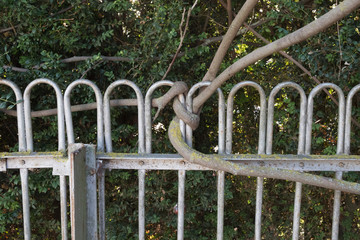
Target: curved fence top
[[107, 118], [60, 113], [262, 124], [99, 109]]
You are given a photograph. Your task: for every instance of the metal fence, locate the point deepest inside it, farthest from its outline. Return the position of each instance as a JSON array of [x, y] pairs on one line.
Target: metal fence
[[85, 167]]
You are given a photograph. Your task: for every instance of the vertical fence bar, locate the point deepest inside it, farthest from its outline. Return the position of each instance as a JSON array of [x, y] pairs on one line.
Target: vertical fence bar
[[61, 140], [347, 134], [221, 174], [220, 205], [261, 143], [181, 205], [301, 143], [141, 128], [181, 173], [100, 145], [63, 206], [339, 148], [83, 191], [148, 118], [22, 147], [25, 202], [349, 99], [221, 150], [78, 210], [19, 112]]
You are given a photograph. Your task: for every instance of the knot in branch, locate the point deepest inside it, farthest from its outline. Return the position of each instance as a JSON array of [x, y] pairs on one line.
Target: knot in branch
[[181, 112]]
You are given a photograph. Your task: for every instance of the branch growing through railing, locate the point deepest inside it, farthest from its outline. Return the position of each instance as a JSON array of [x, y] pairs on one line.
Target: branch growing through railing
[[217, 162]]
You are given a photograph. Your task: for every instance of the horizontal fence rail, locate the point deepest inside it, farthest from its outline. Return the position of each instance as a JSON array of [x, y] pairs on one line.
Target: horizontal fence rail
[[82, 164]]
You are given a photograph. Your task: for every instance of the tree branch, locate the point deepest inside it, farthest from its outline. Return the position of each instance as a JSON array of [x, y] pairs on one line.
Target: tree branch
[[229, 36], [92, 67], [299, 65], [76, 59], [211, 40], [82, 107], [206, 42], [323, 22], [229, 11], [182, 36], [217, 162]]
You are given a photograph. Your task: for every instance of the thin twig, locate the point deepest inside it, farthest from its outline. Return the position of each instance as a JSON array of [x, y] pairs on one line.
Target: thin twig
[[182, 36], [51, 15], [206, 23], [229, 11], [13, 28], [75, 59], [8, 29], [340, 51], [92, 67], [62, 11]]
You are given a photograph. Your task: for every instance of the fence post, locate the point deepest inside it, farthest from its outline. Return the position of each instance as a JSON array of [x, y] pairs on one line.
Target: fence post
[[83, 201]]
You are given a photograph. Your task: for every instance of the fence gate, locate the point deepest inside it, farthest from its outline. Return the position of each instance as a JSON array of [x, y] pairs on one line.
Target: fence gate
[[84, 165]]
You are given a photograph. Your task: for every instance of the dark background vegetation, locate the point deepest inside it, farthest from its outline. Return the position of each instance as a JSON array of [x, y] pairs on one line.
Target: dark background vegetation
[[38, 35]]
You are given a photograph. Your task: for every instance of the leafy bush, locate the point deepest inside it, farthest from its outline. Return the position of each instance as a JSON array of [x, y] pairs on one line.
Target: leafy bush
[[44, 37]]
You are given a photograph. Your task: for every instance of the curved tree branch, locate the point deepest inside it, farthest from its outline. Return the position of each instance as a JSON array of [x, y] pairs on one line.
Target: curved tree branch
[[323, 22], [228, 38], [299, 65], [216, 162]]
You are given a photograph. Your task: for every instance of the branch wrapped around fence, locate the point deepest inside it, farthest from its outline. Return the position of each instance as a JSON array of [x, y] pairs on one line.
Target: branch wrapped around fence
[[217, 162]]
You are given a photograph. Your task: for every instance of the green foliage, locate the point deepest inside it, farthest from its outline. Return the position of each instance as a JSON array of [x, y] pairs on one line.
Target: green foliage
[[146, 33]]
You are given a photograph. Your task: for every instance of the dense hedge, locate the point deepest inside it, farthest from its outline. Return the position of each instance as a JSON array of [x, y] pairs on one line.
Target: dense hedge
[[43, 33]]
